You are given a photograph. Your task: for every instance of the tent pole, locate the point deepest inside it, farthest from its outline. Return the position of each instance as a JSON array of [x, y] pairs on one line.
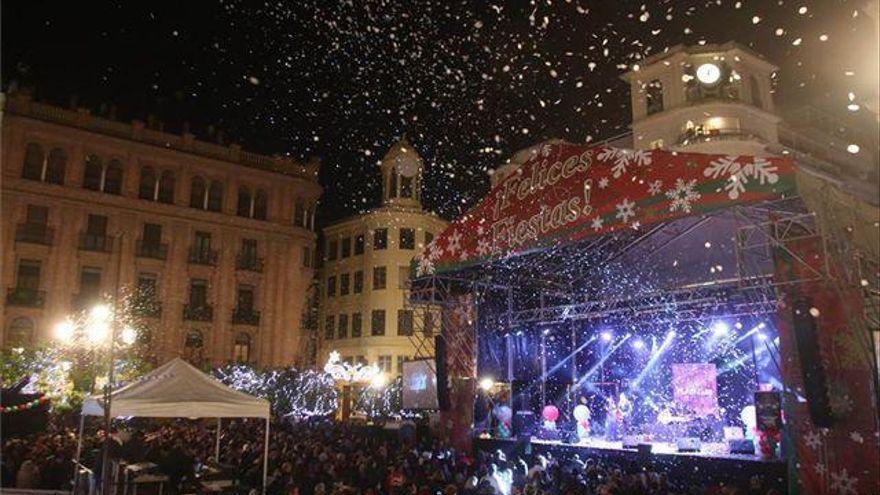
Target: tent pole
[[266, 457], [217, 443], [79, 442]]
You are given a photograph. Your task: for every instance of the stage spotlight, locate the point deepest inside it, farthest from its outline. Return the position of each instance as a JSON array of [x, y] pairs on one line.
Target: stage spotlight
[[607, 336], [720, 328], [638, 344], [486, 384], [670, 334], [761, 326], [762, 336]]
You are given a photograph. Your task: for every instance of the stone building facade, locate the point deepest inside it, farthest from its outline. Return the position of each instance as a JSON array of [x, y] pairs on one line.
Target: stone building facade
[[211, 246], [363, 313]]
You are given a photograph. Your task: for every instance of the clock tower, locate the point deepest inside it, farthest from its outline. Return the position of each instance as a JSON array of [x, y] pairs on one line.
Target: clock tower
[[402, 176], [711, 98]]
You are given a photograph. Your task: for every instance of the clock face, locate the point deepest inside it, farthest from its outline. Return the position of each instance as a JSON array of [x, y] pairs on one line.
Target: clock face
[[708, 73], [407, 168]]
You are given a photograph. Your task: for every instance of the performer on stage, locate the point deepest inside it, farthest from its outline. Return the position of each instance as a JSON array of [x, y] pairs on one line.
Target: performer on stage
[[612, 419], [624, 412], [582, 415]]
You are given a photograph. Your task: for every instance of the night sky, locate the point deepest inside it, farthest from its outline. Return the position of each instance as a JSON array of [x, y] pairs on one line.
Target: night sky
[[468, 82]]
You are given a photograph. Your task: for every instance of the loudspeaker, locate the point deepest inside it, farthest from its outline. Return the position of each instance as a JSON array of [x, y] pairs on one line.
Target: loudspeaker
[[631, 441], [741, 446], [440, 368], [524, 424], [688, 444], [807, 340]]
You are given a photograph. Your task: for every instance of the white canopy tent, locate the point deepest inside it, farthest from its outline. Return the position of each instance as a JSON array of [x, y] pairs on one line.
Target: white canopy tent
[[179, 390]]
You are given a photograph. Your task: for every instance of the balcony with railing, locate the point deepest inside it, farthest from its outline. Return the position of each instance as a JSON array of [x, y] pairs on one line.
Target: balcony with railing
[[95, 242], [153, 250], [147, 307], [203, 256], [249, 262], [198, 312], [246, 316], [34, 233], [25, 297]]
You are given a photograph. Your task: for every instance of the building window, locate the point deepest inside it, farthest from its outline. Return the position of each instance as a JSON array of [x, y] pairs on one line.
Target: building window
[[356, 325], [379, 277], [346, 247], [94, 170], [261, 204], [152, 235], [166, 187], [756, 92], [385, 363], [403, 276], [95, 236], [429, 238], [377, 323], [299, 214], [358, 281], [400, 361], [20, 333], [113, 178], [380, 239], [344, 284], [331, 286], [329, 327], [103, 179], [342, 332], [392, 189], [359, 244], [198, 293], [306, 256], [28, 276], [148, 184], [252, 205], [245, 299], [146, 299], [241, 348], [654, 96], [404, 322], [406, 187], [244, 202], [332, 250], [407, 238], [89, 287], [215, 196], [197, 193], [34, 162]]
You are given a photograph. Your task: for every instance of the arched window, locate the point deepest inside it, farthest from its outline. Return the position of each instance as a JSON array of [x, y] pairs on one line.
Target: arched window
[[654, 97], [113, 177], [55, 166], [20, 333], [166, 187], [33, 162], [215, 196], [392, 189], [193, 346], [244, 202], [299, 214], [147, 189], [261, 204], [197, 193], [406, 187], [93, 172], [241, 349]]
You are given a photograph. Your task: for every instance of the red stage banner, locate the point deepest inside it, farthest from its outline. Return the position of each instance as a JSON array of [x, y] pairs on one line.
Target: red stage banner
[[569, 192], [695, 387]]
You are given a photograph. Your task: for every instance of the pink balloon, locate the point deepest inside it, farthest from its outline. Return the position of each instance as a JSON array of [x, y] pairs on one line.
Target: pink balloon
[[550, 413]]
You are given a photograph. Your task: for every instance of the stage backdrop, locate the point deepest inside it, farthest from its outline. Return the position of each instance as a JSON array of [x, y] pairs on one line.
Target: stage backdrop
[[695, 387], [568, 192]]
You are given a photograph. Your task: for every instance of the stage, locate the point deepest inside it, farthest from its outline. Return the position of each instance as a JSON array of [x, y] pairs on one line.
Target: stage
[[712, 464]]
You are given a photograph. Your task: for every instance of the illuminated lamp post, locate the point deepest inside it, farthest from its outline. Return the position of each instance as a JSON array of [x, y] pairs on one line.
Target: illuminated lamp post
[[349, 375]]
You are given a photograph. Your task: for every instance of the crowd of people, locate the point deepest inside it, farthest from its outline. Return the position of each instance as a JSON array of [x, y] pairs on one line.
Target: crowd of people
[[326, 458]]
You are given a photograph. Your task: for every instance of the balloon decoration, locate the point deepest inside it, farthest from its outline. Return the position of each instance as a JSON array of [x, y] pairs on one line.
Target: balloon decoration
[[25, 406], [582, 415], [550, 415], [768, 441], [503, 414]]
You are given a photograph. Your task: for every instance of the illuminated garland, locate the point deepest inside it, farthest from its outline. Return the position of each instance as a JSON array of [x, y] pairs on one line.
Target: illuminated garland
[[24, 407]]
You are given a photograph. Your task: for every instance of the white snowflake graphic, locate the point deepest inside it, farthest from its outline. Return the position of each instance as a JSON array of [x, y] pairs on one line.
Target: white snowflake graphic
[[425, 267], [683, 195], [626, 209], [856, 437], [464, 256], [739, 174], [655, 187], [636, 225], [597, 224], [434, 251], [813, 439], [820, 468], [843, 483], [623, 158], [454, 243], [603, 182], [482, 247]]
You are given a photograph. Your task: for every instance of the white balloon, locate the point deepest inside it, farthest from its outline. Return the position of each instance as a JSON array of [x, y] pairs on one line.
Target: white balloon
[[749, 417], [581, 412], [503, 413]]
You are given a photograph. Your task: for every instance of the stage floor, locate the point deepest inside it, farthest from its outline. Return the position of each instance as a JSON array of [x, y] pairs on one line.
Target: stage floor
[[712, 464]]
